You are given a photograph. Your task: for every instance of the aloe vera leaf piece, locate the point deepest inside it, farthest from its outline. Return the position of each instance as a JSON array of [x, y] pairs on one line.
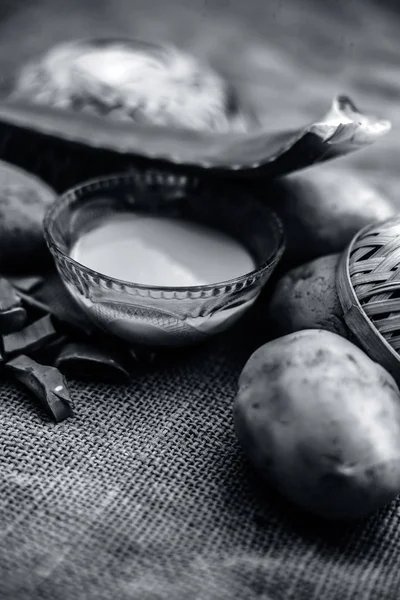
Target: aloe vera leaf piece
[[46, 383], [12, 314], [47, 355], [27, 283], [52, 297], [31, 338], [82, 360]]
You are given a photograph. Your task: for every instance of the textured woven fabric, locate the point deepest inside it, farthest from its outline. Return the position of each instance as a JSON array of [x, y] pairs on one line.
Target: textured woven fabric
[[145, 495]]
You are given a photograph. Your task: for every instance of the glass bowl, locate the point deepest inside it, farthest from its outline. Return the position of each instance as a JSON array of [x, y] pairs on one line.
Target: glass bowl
[[163, 316]]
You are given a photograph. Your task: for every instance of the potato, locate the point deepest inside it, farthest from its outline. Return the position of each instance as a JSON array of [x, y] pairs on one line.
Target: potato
[[22, 245], [322, 209], [306, 298], [321, 422]]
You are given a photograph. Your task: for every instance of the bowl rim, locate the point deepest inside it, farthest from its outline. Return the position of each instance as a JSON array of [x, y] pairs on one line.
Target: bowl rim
[[132, 176]]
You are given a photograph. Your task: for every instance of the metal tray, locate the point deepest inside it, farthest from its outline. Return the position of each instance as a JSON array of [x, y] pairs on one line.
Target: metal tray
[[51, 140]]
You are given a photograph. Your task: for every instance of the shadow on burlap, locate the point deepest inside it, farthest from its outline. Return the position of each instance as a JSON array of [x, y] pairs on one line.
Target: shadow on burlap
[[145, 495]]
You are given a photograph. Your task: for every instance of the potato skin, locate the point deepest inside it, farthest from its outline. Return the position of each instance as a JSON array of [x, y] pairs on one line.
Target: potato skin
[[22, 244], [322, 209], [321, 422], [306, 298]]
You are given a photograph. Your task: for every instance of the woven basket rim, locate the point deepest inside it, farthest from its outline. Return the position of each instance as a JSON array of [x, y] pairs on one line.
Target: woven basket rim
[[355, 317]]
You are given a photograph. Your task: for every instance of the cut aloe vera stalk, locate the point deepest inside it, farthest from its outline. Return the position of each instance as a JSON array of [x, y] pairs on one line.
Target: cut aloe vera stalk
[[27, 283], [52, 297], [48, 354], [31, 338], [12, 314], [46, 383], [89, 361]]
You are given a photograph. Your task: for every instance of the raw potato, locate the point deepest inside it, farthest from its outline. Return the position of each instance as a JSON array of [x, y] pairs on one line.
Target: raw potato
[[321, 422], [306, 298], [322, 209], [22, 245]]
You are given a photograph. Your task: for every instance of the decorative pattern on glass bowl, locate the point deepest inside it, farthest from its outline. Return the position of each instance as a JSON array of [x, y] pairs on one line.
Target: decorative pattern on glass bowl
[[163, 316]]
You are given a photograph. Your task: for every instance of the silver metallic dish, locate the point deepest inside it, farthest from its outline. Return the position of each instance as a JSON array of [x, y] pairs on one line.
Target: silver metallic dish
[[136, 99]]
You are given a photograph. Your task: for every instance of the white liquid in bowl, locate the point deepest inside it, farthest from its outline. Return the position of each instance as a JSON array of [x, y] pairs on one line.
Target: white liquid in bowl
[[159, 251]]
